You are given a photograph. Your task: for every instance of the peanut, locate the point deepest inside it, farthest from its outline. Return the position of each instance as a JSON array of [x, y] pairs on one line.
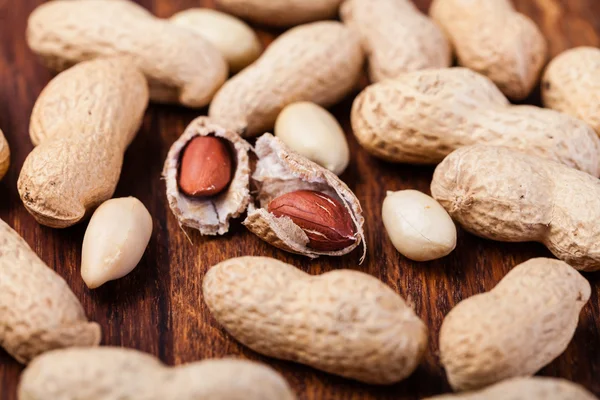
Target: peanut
[[514, 330], [325, 221], [180, 65], [319, 62], [117, 373], [343, 322], [536, 388], [236, 41], [115, 240], [491, 38], [571, 84], [4, 155], [396, 36], [418, 226], [504, 195], [423, 116], [281, 13], [205, 167], [82, 123], [311, 131], [38, 311]]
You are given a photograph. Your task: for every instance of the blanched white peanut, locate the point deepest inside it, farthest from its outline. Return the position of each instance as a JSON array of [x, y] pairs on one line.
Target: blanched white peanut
[[311, 131], [418, 226], [234, 39], [115, 240]]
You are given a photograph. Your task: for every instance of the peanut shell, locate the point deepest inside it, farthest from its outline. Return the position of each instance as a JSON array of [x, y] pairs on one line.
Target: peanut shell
[[423, 116], [4, 155], [279, 171], [209, 215], [343, 322], [38, 311]]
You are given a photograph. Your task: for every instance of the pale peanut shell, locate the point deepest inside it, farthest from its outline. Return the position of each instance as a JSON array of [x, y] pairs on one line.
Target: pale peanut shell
[[319, 62], [4, 155], [279, 171], [38, 311], [281, 13], [515, 329], [82, 123], [509, 196], [209, 215], [343, 322], [396, 36], [180, 65], [536, 388], [422, 116], [571, 84], [108, 373], [492, 38]]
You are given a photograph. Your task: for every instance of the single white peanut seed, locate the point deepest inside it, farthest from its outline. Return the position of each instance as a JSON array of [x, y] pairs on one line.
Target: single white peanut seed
[[311, 131], [418, 226], [235, 40], [115, 240]]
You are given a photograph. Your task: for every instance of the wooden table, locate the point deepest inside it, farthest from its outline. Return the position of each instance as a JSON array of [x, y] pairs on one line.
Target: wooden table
[[159, 307]]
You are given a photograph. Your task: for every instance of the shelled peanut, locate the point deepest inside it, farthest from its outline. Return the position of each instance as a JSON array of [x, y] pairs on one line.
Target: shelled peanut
[[319, 62], [118, 373], [4, 155], [81, 139], [421, 117], [492, 38], [500, 194], [358, 327], [396, 36], [38, 311], [181, 67]]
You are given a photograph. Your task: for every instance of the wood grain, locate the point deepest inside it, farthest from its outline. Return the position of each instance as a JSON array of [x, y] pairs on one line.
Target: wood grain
[[159, 307]]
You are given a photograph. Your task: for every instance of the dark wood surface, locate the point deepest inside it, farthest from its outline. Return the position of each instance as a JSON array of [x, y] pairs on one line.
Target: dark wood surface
[[159, 307]]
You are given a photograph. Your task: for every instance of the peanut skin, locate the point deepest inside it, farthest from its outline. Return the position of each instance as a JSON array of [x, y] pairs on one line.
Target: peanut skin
[[571, 84], [180, 65], [38, 311], [81, 139], [108, 373], [396, 36], [4, 155], [319, 62], [492, 38], [343, 322], [509, 196], [421, 117], [515, 329]]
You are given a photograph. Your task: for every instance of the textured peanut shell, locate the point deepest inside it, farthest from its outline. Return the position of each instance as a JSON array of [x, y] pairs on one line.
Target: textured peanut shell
[[81, 124], [281, 13], [279, 171], [422, 116], [319, 62], [38, 311], [209, 215], [536, 388], [396, 36], [110, 373], [508, 196], [571, 84], [515, 329], [343, 322], [4, 155], [492, 38], [180, 65]]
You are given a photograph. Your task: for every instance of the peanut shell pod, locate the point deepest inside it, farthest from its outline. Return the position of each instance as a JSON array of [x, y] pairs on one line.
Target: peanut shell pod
[[319, 62], [180, 65], [280, 171], [210, 215], [38, 310], [4, 155]]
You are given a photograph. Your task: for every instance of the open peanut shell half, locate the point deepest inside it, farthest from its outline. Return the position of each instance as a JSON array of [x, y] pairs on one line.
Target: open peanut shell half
[[279, 172], [209, 214]]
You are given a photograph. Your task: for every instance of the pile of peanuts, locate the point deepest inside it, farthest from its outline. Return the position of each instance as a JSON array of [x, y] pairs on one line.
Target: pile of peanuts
[[504, 172]]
